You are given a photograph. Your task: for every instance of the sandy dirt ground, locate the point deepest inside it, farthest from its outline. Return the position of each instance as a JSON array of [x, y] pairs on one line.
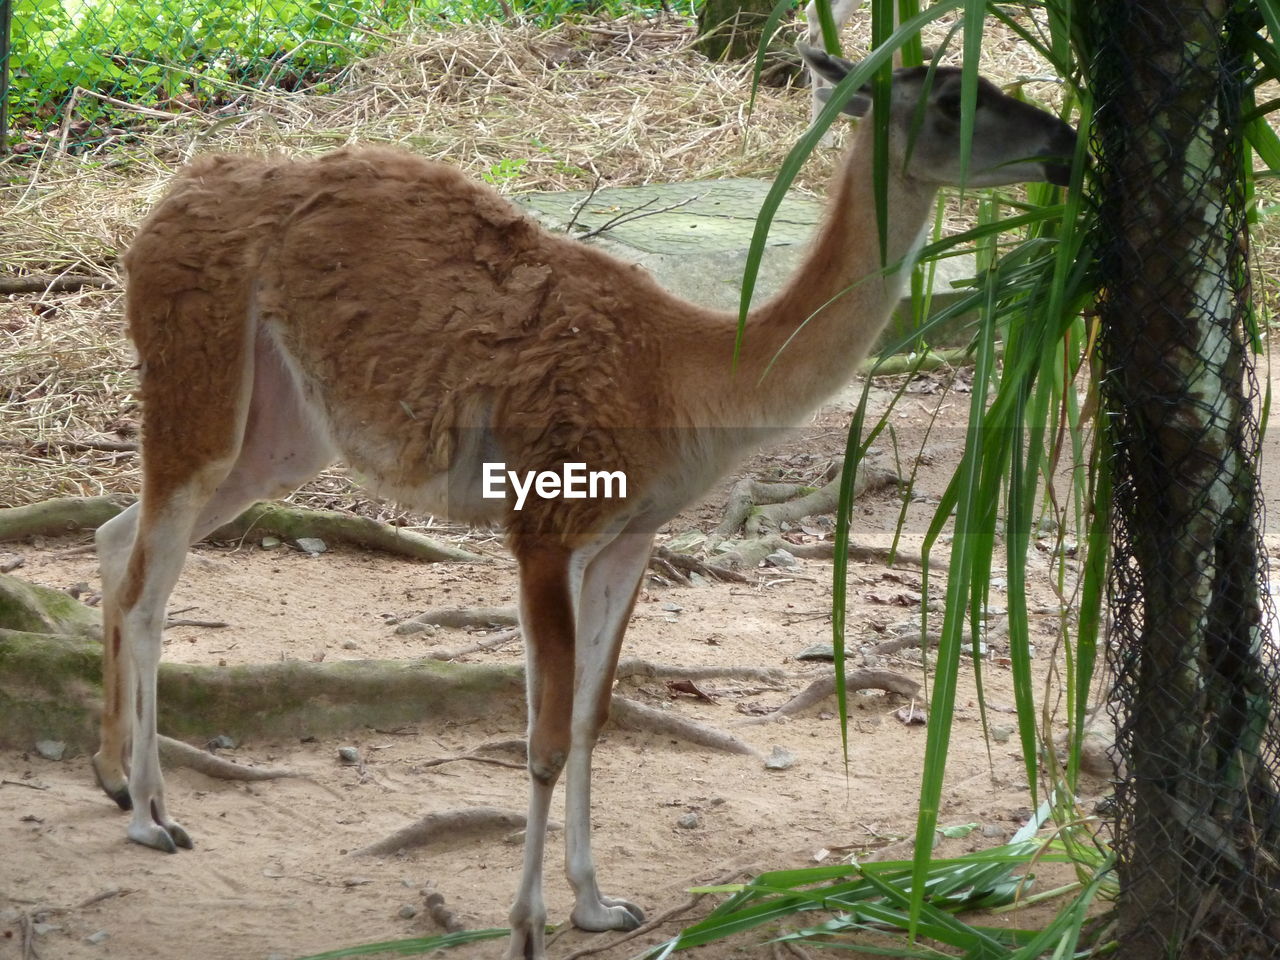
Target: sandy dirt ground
[[273, 874]]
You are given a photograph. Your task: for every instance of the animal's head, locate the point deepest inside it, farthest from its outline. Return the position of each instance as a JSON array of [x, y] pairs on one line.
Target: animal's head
[[1012, 140]]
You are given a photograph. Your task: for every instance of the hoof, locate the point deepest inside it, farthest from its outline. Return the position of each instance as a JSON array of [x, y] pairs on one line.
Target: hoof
[[180, 837], [154, 836], [167, 838], [609, 914], [118, 792]]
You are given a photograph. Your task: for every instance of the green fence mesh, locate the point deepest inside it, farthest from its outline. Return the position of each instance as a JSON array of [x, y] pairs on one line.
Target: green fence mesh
[[1197, 691]]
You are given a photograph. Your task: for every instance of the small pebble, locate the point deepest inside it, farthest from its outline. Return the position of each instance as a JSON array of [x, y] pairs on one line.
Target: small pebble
[[409, 628], [698, 580], [271, 543], [779, 758], [40, 929], [350, 645], [221, 742], [349, 754], [823, 652], [97, 938], [781, 558], [10, 562], [672, 607], [993, 831], [51, 749], [1001, 734], [407, 912], [311, 545], [690, 821]]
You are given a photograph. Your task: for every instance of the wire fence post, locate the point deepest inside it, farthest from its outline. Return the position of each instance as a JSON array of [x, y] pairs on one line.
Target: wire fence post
[[6, 22]]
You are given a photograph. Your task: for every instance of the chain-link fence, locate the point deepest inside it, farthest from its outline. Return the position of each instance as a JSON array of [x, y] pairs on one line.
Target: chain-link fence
[[1196, 694], [86, 66]]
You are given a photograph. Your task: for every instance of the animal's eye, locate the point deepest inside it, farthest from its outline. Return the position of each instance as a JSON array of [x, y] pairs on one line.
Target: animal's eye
[[948, 104]]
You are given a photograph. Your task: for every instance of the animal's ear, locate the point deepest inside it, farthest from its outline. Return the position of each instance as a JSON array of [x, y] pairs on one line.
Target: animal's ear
[[824, 64], [856, 106], [833, 70]]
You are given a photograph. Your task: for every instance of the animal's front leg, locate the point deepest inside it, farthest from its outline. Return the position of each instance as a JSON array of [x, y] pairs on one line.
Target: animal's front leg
[[609, 588], [546, 618]]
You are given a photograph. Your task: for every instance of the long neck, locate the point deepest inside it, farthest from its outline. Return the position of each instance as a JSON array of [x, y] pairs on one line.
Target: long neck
[[804, 343]]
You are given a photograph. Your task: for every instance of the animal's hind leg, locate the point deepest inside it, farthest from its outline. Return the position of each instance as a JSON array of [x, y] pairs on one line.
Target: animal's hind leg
[[115, 542], [142, 552]]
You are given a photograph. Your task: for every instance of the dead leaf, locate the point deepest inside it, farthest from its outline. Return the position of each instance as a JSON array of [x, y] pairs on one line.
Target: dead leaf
[[691, 688]]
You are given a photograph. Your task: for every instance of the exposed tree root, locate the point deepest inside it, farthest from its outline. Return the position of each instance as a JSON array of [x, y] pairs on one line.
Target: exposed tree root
[[71, 514], [293, 522], [825, 687], [679, 565], [465, 618], [175, 753], [631, 715], [449, 828], [633, 667], [750, 553], [49, 689], [52, 518]]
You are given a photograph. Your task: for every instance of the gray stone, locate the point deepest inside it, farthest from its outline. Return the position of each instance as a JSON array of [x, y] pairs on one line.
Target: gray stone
[[694, 238], [690, 821], [51, 749], [349, 754], [779, 758], [97, 938], [407, 912], [782, 558], [271, 543], [311, 545], [821, 652]]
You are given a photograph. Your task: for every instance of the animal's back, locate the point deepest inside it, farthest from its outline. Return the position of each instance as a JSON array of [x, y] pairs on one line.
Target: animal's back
[[420, 311]]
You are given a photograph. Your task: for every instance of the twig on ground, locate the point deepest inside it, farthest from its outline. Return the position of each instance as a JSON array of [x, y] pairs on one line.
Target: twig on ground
[[183, 622], [636, 213], [23, 783], [480, 646], [46, 284], [106, 895], [474, 758]]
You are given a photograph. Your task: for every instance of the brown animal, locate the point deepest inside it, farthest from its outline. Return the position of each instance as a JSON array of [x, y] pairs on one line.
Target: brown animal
[[378, 307]]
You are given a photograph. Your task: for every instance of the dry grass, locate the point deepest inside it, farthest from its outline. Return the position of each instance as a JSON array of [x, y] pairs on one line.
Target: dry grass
[[628, 102]]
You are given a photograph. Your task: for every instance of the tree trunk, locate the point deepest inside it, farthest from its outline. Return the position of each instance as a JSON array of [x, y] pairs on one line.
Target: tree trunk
[[731, 29], [1199, 814]]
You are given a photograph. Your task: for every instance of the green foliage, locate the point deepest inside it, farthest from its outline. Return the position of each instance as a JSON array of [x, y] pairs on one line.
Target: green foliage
[[152, 51], [204, 52], [840, 901]]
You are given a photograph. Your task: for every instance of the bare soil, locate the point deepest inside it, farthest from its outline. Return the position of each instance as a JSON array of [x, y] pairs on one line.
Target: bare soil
[[272, 874]]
